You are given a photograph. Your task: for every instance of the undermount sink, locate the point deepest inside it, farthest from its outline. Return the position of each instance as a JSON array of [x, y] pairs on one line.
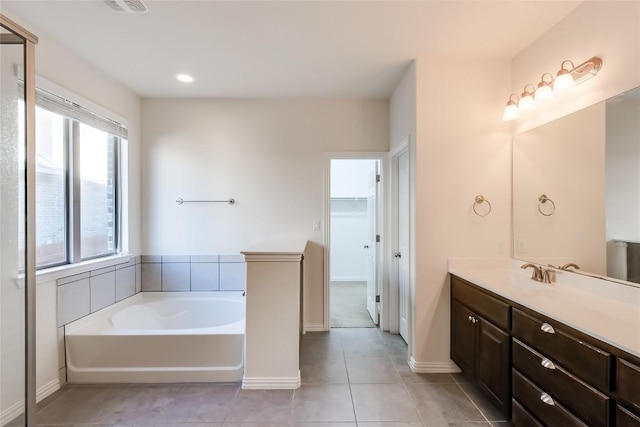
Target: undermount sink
[[526, 283]]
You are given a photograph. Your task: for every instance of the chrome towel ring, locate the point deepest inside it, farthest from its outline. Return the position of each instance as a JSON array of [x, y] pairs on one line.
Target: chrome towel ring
[[480, 200], [542, 200]]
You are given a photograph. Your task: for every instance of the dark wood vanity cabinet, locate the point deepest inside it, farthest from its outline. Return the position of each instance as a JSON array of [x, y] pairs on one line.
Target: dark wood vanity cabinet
[[628, 388], [480, 348], [537, 370]]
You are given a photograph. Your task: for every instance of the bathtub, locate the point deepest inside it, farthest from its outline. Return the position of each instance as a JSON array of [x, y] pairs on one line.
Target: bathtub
[[159, 337]]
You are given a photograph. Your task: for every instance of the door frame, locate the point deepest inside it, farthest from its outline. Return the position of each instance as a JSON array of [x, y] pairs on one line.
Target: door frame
[[381, 208], [392, 310]]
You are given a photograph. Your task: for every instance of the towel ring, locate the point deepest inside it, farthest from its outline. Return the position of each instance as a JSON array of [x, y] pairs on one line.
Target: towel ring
[[477, 202], [544, 199]]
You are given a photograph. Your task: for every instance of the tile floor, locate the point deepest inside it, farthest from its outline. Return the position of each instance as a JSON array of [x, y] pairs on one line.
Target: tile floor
[[351, 378]]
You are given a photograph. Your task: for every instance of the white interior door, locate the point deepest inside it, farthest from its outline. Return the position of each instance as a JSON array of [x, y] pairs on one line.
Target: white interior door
[[370, 245], [402, 255]]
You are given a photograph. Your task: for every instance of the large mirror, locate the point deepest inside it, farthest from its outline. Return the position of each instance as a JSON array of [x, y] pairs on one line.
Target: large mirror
[[576, 190]]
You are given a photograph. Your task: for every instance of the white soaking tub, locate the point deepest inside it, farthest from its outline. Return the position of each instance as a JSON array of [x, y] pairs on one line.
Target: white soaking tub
[[160, 337]]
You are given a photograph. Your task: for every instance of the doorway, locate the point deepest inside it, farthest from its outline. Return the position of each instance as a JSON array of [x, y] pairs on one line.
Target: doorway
[[353, 242]]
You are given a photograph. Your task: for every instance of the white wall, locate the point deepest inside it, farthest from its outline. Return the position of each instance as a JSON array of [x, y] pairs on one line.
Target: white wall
[[463, 149], [267, 154], [67, 71], [607, 29], [350, 177]]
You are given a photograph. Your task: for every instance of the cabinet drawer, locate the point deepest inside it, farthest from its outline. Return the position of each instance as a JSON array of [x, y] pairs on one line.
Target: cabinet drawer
[[530, 397], [492, 309], [583, 400], [592, 364], [520, 417], [625, 418], [629, 384]]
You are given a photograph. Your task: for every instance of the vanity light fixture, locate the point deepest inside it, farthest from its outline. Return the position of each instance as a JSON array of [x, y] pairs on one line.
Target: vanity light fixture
[[544, 92], [526, 99], [567, 77], [511, 109], [564, 79]]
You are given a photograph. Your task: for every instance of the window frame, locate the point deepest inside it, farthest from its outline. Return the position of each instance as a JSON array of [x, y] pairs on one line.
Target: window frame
[[72, 179]]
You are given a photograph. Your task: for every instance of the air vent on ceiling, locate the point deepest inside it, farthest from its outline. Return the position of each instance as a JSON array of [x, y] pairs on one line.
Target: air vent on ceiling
[[127, 6]]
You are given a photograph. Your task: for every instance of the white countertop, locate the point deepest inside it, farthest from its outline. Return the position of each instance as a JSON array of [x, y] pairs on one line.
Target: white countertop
[[606, 310]]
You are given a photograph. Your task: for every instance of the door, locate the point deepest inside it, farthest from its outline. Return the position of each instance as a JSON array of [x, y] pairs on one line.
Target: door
[[402, 255], [371, 244], [463, 338], [17, 229], [493, 352]]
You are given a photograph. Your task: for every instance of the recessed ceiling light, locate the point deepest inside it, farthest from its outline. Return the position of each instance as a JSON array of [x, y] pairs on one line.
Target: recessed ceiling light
[[185, 78]]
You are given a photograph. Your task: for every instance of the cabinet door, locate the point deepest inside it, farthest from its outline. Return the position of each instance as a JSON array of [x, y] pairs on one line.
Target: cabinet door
[[493, 364], [463, 338]]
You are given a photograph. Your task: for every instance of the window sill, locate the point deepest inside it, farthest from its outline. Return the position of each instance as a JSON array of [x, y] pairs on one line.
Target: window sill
[[55, 273]]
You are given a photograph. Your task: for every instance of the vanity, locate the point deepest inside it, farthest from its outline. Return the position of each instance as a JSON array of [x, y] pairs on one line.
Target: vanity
[[559, 354]]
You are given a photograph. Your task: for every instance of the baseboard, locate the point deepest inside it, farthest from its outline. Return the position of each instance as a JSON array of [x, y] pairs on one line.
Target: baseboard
[[433, 367], [18, 408], [271, 383], [314, 327]]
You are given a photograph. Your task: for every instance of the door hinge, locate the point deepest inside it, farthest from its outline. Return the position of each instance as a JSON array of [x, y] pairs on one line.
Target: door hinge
[[377, 298], [377, 177], [377, 238]]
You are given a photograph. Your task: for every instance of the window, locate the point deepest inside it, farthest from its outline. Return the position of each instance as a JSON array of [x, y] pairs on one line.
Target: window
[[77, 182], [51, 213]]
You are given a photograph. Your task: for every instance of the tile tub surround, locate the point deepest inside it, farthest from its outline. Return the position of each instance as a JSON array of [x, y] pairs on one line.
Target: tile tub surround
[[606, 310], [169, 273], [85, 293], [328, 396]]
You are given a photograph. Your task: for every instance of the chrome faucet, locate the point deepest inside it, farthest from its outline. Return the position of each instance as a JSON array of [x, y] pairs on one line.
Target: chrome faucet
[[540, 274], [567, 266]]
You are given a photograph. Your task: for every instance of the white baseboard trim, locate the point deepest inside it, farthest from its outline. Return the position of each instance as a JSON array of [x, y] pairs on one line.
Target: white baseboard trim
[[271, 383], [433, 367], [18, 408], [314, 327]]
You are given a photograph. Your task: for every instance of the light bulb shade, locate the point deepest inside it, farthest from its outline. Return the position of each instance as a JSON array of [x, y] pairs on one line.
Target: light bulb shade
[[563, 82], [526, 102], [510, 112], [543, 93]]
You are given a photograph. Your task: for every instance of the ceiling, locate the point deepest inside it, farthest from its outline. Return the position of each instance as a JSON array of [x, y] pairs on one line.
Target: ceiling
[[256, 49]]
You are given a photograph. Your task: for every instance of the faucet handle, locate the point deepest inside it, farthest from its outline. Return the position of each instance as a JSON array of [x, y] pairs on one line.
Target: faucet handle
[[548, 276]]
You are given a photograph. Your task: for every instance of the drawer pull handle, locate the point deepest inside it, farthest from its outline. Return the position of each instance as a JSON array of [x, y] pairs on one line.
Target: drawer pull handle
[[548, 364], [547, 328], [547, 399], [470, 319]]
